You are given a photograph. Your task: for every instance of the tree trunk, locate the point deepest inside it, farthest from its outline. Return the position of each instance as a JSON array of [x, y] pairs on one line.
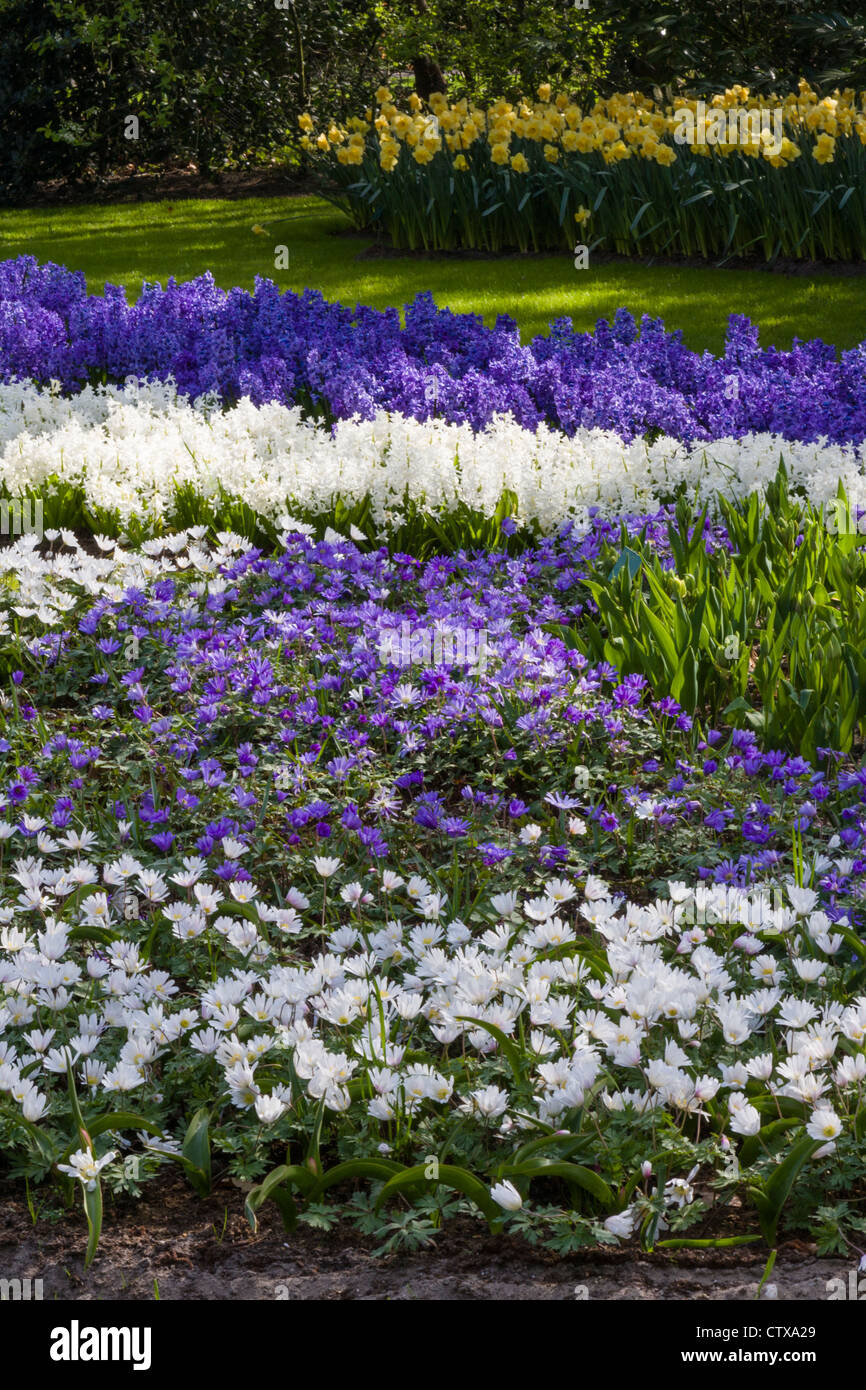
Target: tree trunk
[[428, 77]]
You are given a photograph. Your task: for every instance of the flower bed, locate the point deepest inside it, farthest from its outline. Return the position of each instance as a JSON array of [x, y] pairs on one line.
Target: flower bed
[[445, 927], [426, 857], [143, 456], [738, 174], [339, 362]]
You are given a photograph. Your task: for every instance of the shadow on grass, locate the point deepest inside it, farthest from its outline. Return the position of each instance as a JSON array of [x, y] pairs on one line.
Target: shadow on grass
[[128, 244]]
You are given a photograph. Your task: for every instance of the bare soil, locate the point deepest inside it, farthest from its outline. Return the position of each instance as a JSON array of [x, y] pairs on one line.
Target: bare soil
[[175, 1245]]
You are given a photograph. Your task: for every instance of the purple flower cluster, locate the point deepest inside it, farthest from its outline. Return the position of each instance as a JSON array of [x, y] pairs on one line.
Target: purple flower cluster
[[341, 361], [269, 698]]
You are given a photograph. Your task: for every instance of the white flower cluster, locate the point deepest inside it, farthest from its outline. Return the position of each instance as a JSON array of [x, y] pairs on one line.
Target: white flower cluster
[[45, 586], [129, 449], [670, 1017]]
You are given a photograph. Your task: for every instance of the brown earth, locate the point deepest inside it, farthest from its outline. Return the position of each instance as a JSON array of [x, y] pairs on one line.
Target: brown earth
[[173, 1245]]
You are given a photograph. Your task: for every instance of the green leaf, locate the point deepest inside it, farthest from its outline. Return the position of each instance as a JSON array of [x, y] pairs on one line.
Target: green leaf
[[287, 1175], [753, 1145], [508, 1048], [684, 686], [100, 934], [93, 1212], [722, 1243], [628, 560], [570, 1172], [121, 1119], [664, 641], [770, 1196], [75, 1107], [379, 1169], [636, 219], [768, 1270], [316, 1137], [460, 1179], [569, 1143], [851, 939], [196, 1150], [42, 1141]]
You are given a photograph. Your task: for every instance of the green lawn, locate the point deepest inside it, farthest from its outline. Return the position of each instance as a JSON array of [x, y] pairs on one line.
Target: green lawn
[[131, 242]]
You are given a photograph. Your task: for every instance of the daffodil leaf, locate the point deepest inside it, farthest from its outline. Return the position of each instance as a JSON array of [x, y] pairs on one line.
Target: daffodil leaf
[[447, 1175]]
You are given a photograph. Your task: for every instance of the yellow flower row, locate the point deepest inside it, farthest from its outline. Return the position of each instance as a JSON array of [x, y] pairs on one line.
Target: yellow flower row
[[619, 127]]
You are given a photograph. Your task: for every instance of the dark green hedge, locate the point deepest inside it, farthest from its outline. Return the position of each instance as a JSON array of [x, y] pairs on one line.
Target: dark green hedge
[[206, 79], [211, 79]]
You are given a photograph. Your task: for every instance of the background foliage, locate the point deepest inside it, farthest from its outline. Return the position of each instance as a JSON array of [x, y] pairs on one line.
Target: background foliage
[[209, 82], [225, 80], [713, 43]]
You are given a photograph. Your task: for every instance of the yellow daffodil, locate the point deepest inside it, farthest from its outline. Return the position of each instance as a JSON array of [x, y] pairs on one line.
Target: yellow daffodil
[[824, 149], [731, 125]]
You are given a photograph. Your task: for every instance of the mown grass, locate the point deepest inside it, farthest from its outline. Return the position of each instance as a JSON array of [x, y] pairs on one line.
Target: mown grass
[[129, 243]]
